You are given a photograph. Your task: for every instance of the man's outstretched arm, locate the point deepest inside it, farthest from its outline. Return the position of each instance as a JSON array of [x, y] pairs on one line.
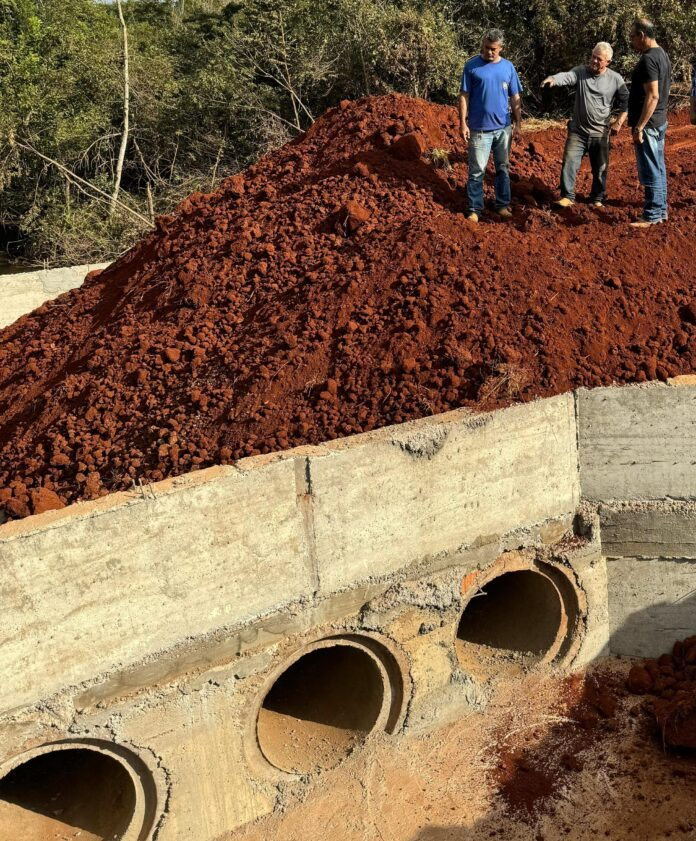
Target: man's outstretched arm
[[561, 80]]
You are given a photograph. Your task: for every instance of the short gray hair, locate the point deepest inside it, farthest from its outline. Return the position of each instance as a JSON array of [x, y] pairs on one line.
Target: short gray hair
[[604, 47], [495, 36]]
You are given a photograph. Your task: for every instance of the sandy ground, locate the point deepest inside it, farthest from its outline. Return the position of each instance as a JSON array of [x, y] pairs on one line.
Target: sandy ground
[[580, 758]]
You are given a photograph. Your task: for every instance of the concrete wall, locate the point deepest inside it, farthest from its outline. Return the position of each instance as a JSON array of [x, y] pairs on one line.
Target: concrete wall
[[21, 293], [228, 544], [386, 502], [105, 585], [156, 619], [637, 449], [638, 442]]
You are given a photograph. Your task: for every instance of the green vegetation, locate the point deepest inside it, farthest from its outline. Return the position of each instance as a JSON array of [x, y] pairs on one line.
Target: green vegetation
[[214, 84]]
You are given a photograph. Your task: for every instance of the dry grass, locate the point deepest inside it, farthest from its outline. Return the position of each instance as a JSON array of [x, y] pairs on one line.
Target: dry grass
[[538, 124], [440, 159], [507, 380]]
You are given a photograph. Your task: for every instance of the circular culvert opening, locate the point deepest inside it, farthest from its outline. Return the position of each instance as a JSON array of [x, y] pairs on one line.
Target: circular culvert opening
[[516, 619], [320, 708], [67, 793]]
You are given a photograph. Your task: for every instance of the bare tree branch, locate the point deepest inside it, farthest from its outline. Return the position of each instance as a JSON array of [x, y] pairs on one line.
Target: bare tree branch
[[77, 180], [126, 112]]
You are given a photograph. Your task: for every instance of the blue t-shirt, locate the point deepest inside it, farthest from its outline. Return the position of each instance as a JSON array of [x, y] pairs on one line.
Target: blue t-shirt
[[489, 84]]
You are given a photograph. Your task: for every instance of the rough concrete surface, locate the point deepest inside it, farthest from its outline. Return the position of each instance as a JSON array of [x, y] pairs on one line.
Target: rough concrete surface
[[652, 603], [23, 292], [437, 486], [637, 442], [649, 529], [95, 591]]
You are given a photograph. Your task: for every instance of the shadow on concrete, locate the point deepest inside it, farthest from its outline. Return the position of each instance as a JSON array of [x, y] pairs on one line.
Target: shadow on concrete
[[79, 789]]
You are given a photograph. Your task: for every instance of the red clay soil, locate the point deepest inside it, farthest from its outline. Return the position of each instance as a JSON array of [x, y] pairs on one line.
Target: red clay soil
[[335, 287], [670, 683]]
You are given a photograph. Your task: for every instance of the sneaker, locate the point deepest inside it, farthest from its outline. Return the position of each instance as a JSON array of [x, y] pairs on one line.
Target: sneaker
[[646, 223], [472, 217], [564, 202], [597, 203], [504, 213]]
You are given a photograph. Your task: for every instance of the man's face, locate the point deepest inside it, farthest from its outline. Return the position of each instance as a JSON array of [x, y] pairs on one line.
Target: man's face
[[490, 50], [598, 63]]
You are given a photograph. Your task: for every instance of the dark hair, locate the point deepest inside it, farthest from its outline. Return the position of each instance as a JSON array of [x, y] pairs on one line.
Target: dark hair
[[644, 27]]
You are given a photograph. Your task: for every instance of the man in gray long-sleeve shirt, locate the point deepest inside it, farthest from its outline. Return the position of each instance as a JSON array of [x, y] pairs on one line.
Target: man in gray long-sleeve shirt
[[598, 92]]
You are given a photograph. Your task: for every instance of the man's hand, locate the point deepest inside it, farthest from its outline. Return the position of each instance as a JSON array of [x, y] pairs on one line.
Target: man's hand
[[464, 132], [616, 125], [637, 135], [548, 82], [516, 133]]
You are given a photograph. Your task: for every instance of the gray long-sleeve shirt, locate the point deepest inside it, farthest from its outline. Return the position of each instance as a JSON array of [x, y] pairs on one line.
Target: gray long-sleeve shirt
[[595, 98]]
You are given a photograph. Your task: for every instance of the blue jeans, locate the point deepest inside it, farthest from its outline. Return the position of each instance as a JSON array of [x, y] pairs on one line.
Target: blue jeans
[[480, 145], [597, 149], [652, 172]]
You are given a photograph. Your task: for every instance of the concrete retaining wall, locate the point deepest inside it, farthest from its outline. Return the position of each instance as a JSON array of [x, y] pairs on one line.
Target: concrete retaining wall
[[637, 448], [157, 618], [105, 584], [638, 442], [222, 546], [431, 488], [24, 292]]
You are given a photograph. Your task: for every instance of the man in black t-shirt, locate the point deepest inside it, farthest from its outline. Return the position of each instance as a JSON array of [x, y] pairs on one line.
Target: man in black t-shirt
[[647, 116]]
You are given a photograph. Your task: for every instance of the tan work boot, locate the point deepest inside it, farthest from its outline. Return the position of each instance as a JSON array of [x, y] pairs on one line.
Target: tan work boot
[[504, 213], [645, 223], [564, 202]]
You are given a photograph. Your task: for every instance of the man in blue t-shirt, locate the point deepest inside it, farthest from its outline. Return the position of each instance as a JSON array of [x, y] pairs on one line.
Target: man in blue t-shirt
[[489, 88]]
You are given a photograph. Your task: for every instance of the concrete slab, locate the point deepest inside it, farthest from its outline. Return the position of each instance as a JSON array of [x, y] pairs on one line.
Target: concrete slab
[[97, 589], [21, 293], [637, 442], [652, 603], [403, 494]]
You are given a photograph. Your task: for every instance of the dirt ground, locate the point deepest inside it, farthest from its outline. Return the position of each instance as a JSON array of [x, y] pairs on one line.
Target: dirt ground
[[580, 759]]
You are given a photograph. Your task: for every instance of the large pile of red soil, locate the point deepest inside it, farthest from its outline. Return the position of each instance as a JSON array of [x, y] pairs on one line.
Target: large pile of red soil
[[335, 287]]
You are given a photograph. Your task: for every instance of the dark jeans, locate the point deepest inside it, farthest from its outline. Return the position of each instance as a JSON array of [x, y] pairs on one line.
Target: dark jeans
[[652, 173], [597, 149]]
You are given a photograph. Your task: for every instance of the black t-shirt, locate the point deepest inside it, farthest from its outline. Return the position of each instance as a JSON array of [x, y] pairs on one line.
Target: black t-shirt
[[654, 66]]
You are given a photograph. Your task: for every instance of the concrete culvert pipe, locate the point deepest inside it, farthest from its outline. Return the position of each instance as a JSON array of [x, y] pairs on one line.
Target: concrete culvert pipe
[[322, 706], [516, 618], [75, 793]]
